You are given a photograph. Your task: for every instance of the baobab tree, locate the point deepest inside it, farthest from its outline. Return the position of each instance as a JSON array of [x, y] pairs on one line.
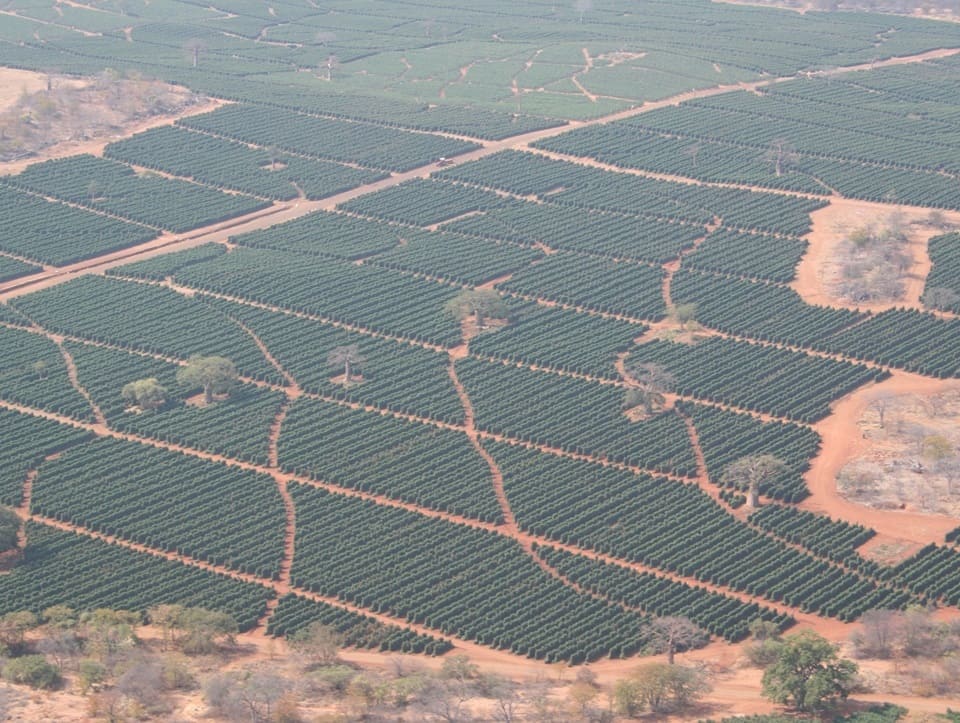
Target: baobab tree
[[672, 635], [749, 473], [693, 152], [652, 383], [195, 46], [583, 7], [348, 357], [483, 304], [215, 374]]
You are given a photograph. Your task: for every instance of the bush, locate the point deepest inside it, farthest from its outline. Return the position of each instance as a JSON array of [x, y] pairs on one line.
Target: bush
[[32, 670]]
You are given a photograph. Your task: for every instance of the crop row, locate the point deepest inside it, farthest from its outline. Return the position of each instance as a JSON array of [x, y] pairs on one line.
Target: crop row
[[11, 268], [235, 166], [617, 235], [762, 378], [62, 568], [599, 284], [106, 185], [756, 256], [464, 259], [160, 267], [223, 515], [933, 572], [381, 300], [462, 581], [423, 203], [574, 415], [294, 613], [53, 233], [408, 461], [944, 252], [364, 144], [718, 614], [554, 337], [326, 234], [823, 536], [677, 528], [27, 440]]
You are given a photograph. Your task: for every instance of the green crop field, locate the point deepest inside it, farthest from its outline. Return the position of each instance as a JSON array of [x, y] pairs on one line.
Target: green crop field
[[501, 326]]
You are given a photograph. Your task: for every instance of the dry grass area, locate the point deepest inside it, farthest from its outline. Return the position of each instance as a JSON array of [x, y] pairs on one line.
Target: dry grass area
[[820, 272], [910, 461], [41, 112]]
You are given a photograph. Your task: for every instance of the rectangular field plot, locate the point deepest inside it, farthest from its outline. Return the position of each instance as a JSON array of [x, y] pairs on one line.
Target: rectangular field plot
[[574, 229], [674, 527], [62, 568], [381, 300], [145, 318], [160, 267], [368, 145], [326, 234], [424, 203], [476, 584], [762, 311], [945, 275], [559, 339], [837, 540], [52, 233], [393, 375], [236, 166], [115, 188], [756, 377], [27, 440], [206, 510], [237, 426], [409, 461], [575, 415], [756, 256], [598, 284]]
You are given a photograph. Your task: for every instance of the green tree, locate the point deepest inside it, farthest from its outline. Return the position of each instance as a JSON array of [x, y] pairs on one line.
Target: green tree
[[347, 357], [145, 393], [41, 368], [749, 473], [684, 314], [317, 643], [808, 673], [32, 670], [214, 374], [9, 529], [481, 303], [206, 630]]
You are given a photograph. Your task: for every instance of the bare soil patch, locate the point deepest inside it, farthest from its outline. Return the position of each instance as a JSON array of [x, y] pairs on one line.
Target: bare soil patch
[[15, 83], [819, 272], [845, 441]]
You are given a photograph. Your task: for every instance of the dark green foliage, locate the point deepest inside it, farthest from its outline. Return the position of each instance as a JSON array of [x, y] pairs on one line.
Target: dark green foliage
[[61, 568], [410, 461], [204, 509], [295, 613]]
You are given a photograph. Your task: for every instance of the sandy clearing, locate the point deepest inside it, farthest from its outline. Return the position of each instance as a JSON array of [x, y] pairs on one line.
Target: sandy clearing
[[843, 442], [819, 270], [14, 83]]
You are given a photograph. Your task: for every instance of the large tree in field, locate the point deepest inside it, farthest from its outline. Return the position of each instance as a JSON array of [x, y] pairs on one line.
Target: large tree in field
[[671, 635], [808, 673], [481, 303], [145, 393], [215, 374], [652, 383], [348, 357], [749, 473]]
